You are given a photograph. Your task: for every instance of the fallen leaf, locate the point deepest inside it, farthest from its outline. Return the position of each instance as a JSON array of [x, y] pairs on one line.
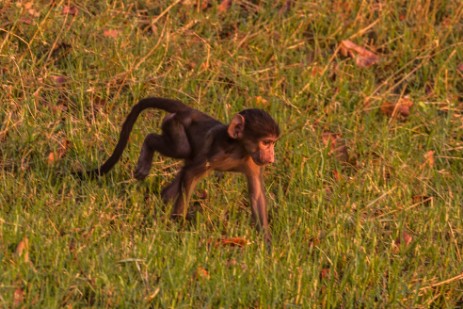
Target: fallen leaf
[[362, 56], [27, 5], [429, 159], [399, 110], [261, 101], [51, 158], [404, 239], [26, 20], [460, 67], [316, 71], [387, 108], [224, 6], [111, 33], [337, 175], [201, 272], [204, 4], [32, 12], [329, 139], [22, 249], [324, 273], [59, 79], [234, 242], [60, 152], [18, 297], [407, 238], [70, 10]]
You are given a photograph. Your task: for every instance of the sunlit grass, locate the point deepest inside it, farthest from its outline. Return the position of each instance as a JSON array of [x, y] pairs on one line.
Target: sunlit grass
[[378, 226]]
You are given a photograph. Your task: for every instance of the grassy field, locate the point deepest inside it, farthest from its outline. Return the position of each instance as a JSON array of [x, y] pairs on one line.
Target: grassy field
[[365, 198]]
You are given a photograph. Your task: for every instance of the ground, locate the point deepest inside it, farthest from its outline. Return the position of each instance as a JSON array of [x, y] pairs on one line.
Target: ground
[[365, 197]]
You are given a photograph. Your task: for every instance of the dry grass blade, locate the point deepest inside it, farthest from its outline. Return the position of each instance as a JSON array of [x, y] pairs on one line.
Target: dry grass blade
[[450, 280], [348, 180]]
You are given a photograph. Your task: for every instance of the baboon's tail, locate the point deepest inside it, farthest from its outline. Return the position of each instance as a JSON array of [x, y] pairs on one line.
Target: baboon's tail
[[168, 105]]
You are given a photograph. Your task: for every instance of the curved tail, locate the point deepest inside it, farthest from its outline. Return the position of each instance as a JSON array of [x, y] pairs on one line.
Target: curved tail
[[168, 105]]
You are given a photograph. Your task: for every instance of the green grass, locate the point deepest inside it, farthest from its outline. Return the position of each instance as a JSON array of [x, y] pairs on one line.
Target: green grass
[[381, 230]]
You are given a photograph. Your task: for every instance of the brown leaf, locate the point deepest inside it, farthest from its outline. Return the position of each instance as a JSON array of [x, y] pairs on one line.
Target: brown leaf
[[26, 20], [316, 71], [204, 4], [51, 158], [28, 6], [387, 108], [234, 242], [429, 159], [111, 33], [33, 12], [407, 238], [201, 272], [337, 175], [399, 110], [404, 239], [460, 67], [261, 101], [18, 297], [404, 106], [329, 139], [362, 56], [58, 79], [324, 273], [60, 152], [22, 249], [224, 6], [70, 10]]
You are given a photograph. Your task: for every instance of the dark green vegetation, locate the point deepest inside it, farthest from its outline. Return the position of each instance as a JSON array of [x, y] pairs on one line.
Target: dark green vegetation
[[365, 206]]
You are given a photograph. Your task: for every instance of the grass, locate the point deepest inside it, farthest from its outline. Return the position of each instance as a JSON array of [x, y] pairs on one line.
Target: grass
[[380, 226]]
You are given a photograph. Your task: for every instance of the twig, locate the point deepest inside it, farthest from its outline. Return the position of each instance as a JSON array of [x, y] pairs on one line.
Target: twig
[[165, 12]]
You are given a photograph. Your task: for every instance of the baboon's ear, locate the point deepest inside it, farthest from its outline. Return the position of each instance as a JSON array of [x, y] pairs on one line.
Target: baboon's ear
[[236, 127]]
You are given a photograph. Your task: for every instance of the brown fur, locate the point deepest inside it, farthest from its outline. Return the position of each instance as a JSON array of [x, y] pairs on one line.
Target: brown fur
[[205, 144]]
